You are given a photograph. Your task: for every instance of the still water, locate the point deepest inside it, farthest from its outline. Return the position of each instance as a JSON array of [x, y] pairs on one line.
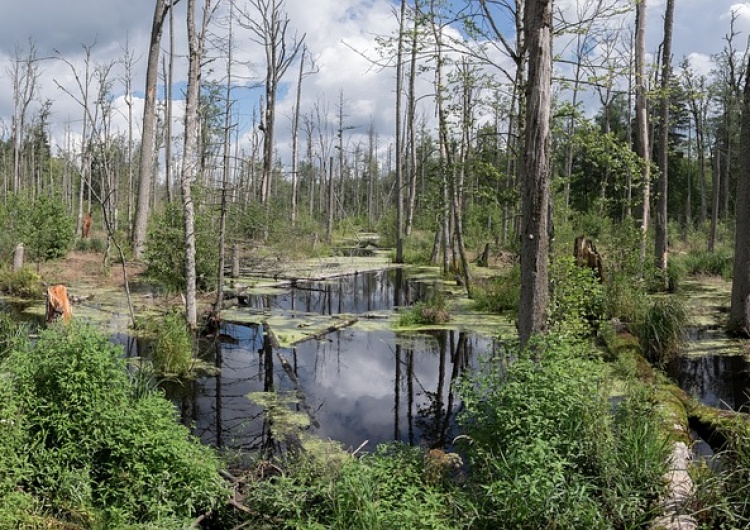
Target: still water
[[359, 386]]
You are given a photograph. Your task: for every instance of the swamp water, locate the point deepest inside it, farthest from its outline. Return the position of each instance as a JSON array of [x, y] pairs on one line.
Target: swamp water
[[712, 367], [362, 384]]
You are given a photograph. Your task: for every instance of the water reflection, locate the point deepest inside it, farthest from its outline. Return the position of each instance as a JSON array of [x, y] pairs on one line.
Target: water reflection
[[359, 386], [721, 381], [353, 294]]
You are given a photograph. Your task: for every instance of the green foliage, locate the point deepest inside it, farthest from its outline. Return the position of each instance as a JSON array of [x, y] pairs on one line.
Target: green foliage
[[577, 303], [545, 451], [499, 294], [25, 283], [661, 332], [429, 312], [383, 490], [46, 230], [718, 263], [165, 249], [94, 453], [12, 334], [172, 348]]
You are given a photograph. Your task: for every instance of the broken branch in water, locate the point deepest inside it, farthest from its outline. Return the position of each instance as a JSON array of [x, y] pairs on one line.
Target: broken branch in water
[[326, 331]]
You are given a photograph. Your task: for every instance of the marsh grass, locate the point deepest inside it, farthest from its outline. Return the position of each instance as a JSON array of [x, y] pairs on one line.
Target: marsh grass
[[430, 312], [661, 332], [718, 263], [499, 294], [172, 346]]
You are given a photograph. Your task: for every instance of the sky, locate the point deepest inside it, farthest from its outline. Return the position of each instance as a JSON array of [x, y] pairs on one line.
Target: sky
[[339, 33]]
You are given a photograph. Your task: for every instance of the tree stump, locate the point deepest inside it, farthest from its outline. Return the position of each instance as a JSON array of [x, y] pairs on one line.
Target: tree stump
[[18, 258]]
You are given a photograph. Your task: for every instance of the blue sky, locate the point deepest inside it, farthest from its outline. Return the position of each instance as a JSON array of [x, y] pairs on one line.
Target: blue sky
[[339, 33]]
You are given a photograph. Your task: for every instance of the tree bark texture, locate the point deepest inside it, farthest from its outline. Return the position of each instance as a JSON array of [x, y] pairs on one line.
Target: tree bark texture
[[532, 311], [739, 313]]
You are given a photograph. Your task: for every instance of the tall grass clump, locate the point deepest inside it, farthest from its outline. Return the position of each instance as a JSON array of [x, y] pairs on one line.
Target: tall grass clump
[[94, 455], [172, 347], [542, 423], [430, 312], [661, 332], [717, 263]]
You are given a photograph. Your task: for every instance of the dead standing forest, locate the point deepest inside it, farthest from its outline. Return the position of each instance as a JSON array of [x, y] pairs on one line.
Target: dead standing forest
[[548, 165]]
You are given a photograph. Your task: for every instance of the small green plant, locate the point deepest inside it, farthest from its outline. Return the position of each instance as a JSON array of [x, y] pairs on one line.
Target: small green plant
[[25, 283], [577, 303], [93, 244], [661, 332]]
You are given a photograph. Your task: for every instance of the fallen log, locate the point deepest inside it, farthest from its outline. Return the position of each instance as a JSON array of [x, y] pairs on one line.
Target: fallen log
[[326, 331], [301, 398]]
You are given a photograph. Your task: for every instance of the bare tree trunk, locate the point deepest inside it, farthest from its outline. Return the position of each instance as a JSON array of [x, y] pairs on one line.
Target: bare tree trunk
[[225, 169], [661, 247], [399, 147], [295, 135], [190, 154], [532, 310], [642, 119], [148, 132], [411, 125], [715, 198]]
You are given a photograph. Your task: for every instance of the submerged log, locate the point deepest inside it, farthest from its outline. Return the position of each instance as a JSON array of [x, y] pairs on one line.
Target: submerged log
[[326, 331]]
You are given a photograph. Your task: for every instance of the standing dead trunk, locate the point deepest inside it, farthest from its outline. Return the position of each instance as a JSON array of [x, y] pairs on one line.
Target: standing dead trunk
[[641, 116], [148, 133], [661, 246], [532, 311], [190, 154]]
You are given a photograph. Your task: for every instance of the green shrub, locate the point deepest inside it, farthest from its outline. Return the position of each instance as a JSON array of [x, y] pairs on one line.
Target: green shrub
[[49, 231], [624, 297], [577, 303], [165, 254], [25, 283], [93, 244], [500, 294], [545, 451], [95, 454], [661, 331]]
